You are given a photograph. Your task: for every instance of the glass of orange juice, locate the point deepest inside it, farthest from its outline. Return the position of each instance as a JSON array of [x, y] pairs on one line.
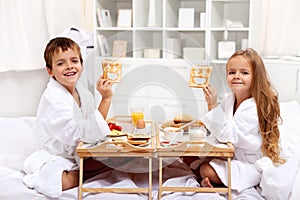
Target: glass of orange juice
[[136, 114]]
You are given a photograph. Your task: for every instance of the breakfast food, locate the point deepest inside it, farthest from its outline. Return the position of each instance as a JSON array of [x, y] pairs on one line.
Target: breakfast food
[[171, 129], [116, 133], [137, 114], [200, 76], [140, 124], [171, 124], [112, 70], [173, 134], [114, 126], [138, 142], [178, 121], [138, 139], [138, 136], [182, 118]]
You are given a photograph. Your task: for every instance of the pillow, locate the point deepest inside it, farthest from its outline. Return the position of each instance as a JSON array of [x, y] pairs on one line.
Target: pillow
[[289, 129], [17, 141], [276, 183]]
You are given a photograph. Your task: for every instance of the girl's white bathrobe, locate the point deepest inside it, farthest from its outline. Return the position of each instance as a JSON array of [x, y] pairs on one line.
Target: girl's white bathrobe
[[60, 125], [242, 130]]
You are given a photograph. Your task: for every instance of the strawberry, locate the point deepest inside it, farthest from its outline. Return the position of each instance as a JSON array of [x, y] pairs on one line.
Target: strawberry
[[113, 126]]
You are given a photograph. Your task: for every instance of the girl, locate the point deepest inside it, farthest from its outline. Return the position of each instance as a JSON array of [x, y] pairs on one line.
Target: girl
[[247, 117]]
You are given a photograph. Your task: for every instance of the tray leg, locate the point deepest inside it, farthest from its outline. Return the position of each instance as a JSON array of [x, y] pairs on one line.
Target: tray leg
[[229, 178], [160, 178], [150, 179], [80, 178]]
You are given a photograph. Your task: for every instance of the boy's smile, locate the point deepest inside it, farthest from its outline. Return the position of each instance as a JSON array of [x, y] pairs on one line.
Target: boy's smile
[[66, 68]]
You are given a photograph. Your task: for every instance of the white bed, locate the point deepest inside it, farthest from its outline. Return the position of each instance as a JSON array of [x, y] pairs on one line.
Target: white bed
[[17, 142]]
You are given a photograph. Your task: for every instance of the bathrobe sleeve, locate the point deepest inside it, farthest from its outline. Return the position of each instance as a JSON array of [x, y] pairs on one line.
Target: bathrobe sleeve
[[241, 129]]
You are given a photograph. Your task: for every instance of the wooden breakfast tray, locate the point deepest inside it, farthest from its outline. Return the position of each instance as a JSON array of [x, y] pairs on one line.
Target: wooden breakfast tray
[[113, 147], [202, 148], [106, 146], [185, 147]]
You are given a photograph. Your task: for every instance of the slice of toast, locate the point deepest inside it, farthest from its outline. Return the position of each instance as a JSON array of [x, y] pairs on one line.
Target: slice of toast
[[112, 70], [200, 76]]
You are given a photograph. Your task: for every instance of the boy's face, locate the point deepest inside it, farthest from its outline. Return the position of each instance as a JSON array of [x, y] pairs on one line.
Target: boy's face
[[66, 68]]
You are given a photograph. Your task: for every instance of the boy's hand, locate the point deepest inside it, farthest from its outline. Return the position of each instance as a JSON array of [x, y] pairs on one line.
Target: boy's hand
[[104, 88], [210, 96]]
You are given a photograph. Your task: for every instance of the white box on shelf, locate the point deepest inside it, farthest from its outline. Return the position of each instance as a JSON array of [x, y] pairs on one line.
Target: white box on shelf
[[173, 49], [104, 18], [202, 20], [151, 53], [244, 43], [193, 53], [225, 49], [186, 17], [124, 18], [103, 45]]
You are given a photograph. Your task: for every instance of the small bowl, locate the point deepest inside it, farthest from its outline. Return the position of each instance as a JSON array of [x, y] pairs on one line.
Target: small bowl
[[172, 134]]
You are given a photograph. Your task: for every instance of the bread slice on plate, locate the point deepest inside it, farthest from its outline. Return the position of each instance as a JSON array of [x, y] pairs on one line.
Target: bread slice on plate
[[138, 139], [182, 118]]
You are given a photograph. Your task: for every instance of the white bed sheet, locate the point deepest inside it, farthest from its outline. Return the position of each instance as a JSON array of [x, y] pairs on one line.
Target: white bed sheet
[[17, 143]]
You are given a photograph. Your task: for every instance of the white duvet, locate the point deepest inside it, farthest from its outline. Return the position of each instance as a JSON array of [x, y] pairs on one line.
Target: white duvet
[[17, 143]]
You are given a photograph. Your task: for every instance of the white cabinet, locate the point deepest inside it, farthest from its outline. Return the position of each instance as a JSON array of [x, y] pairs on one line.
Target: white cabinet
[[206, 31], [285, 77]]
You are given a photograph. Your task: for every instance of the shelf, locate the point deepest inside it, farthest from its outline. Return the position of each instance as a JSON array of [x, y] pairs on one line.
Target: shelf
[[230, 29], [185, 29], [166, 18], [149, 29], [114, 29], [230, 0]]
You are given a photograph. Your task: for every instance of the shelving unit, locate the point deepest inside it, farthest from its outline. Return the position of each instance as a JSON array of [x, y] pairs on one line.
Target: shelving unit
[[235, 11], [169, 75], [141, 36]]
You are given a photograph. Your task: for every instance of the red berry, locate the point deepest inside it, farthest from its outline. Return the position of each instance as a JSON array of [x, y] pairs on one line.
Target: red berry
[[119, 128]]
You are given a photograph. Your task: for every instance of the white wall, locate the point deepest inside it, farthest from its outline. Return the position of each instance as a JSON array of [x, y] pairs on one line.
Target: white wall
[[21, 91]]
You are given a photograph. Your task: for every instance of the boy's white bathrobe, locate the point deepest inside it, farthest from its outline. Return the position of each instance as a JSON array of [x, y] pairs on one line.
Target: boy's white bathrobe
[[242, 130], [60, 125]]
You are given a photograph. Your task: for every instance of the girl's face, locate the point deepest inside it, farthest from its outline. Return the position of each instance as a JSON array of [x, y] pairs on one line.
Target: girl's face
[[66, 68], [239, 76]]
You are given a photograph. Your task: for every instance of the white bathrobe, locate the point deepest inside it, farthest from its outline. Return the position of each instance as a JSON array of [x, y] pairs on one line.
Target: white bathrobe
[[242, 130], [60, 125]]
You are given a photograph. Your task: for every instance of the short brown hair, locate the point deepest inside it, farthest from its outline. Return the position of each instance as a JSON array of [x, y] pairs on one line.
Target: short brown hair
[[55, 45]]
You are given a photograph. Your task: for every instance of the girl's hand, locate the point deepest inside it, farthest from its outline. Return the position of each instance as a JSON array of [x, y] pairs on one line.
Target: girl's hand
[[210, 96], [104, 88]]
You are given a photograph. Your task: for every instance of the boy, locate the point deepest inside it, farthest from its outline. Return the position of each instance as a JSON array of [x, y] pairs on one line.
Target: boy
[[65, 116]]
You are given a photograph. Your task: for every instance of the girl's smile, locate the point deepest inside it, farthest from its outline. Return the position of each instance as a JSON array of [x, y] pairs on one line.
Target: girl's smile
[[239, 76]]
